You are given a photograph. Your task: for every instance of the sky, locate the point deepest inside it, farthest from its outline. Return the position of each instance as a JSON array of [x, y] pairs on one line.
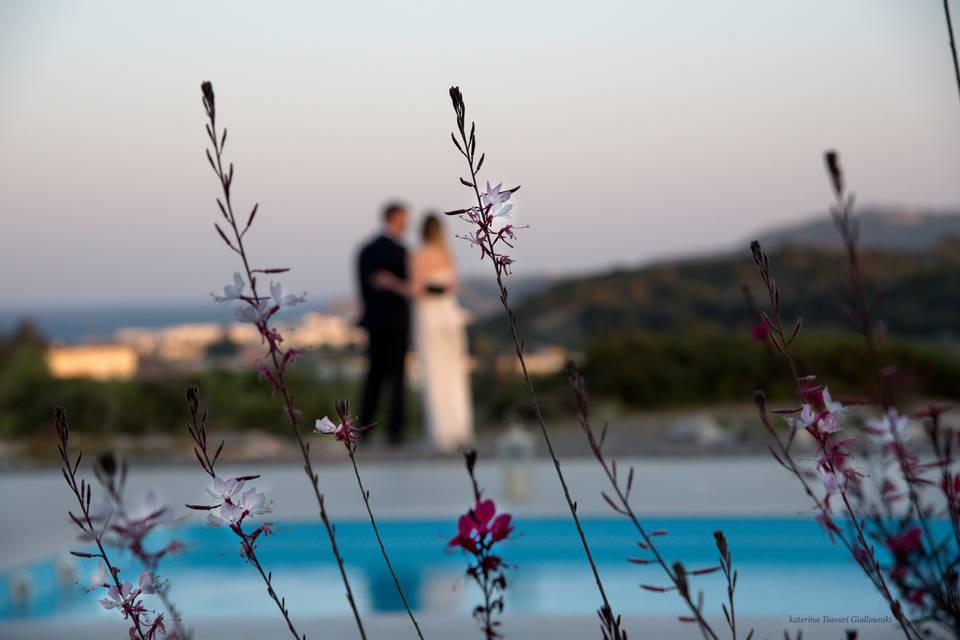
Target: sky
[[638, 130]]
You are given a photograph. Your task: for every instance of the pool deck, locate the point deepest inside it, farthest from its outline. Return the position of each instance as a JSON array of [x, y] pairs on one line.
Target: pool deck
[[396, 627]]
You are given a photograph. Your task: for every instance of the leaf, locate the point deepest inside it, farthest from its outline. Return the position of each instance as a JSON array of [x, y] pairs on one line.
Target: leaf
[[223, 236], [251, 217]]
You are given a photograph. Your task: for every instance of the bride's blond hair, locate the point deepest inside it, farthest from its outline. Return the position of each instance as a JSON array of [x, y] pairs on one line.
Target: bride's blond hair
[[432, 232]]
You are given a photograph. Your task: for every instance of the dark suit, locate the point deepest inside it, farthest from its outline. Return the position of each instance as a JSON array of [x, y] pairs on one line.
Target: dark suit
[[386, 317]]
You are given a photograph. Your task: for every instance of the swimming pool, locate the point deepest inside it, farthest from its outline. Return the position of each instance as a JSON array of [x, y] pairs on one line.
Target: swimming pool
[[787, 567]]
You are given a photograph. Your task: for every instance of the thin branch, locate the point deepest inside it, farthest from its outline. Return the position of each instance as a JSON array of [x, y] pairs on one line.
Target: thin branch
[[953, 42], [278, 357], [489, 238]]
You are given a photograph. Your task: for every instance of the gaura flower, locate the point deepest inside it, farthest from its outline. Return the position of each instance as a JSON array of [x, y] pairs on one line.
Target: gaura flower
[[905, 543], [233, 291], [225, 490], [495, 202], [478, 527], [819, 412], [253, 314], [249, 504], [101, 578], [126, 594], [281, 298], [761, 330], [889, 428], [832, 480], [346, 432]]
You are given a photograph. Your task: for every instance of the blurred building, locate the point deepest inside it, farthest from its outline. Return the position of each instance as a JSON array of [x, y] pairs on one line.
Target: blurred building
[[184, 343], [321, 330], [540, 362], [97, 361]]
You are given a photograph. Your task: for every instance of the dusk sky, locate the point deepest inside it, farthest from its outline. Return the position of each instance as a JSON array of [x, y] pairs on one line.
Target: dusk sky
[[638, 129]]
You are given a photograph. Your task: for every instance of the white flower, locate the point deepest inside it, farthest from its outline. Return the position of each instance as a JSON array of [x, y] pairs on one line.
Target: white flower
[[804, 420], [233, 291], [891, 427], [225, 490], [826, 420], [145, 583], [325, 425], [496, 200], [249, 504], [225, 515], [830, 404], [254, 502], [118, 597], [126, 593], [101, 577], [281, 298], [252, 313]]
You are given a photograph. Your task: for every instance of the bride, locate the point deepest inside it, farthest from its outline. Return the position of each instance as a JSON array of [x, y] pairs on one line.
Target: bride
[[439, 338]]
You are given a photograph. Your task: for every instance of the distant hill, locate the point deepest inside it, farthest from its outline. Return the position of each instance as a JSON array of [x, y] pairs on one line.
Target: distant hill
[[920, 295], [892, 228]]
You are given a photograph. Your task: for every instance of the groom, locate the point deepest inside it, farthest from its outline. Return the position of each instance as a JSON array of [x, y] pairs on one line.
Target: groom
[[386, 317]]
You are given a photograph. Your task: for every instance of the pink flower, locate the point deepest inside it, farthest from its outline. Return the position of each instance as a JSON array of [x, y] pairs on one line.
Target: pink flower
[[904, 543], [761, 330], [475, 529]]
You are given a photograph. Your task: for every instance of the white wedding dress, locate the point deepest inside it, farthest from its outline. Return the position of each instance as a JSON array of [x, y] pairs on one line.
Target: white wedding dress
[[441, 343]]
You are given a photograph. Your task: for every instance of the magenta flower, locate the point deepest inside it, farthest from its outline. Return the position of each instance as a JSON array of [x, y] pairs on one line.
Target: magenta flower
[[475, 529], [904, 543], [761, 330]]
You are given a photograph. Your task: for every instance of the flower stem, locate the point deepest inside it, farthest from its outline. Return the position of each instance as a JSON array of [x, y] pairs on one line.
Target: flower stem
[[468, 151], [953, 42], [226, 181]]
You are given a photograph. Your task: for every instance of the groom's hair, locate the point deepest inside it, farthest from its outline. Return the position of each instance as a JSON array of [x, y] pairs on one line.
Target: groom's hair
[[393, 208]]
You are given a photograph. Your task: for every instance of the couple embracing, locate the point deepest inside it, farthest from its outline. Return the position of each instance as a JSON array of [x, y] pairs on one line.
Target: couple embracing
[[413, 294]]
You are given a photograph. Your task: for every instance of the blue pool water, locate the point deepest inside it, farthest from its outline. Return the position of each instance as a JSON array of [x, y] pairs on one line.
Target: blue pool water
[[787, 567]]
